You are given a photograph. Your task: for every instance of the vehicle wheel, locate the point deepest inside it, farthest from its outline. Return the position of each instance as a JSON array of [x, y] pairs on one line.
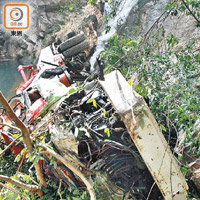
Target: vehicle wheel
[[76, 49], [71, 42]]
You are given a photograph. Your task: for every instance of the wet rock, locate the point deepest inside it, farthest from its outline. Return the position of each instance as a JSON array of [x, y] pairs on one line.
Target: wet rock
[[145, 14], [42, 35], [2, 33], [30, 38], [91, 19], [20, 54], [26, 59], [23, 44], [2, 38], [2, 41], [135, 17], [102, 6], [31, 48], [49, 7], [43, 27]]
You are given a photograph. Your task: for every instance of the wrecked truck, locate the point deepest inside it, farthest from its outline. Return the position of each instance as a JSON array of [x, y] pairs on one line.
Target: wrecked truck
[[101, 126], [51, 71]]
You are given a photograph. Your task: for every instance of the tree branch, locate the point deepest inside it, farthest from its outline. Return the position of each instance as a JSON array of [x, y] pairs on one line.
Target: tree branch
[[18, 123], [3, 152], [190, 11], [10, 126], [152, 26], [72, 168], [60, 184], [13, 190], [26, 136], [30, 188]]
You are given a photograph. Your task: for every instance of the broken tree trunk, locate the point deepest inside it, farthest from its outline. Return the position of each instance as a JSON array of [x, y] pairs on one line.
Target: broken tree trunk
[[147, 136], [26, 136]]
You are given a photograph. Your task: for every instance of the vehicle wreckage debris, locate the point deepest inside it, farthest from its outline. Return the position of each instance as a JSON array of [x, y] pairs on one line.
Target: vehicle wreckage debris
[[146, 135], [111, 153], [93, 126]]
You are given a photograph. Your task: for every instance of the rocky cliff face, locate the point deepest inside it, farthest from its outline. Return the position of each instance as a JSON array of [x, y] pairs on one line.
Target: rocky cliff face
[[148, 13], [50, 21], [57, 19]]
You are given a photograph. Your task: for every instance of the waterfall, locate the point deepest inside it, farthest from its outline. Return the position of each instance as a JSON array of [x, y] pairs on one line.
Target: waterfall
[[122, 13]]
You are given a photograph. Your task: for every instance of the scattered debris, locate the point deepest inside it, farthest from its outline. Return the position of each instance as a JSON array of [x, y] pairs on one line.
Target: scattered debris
[[92, 126], [147, 136]]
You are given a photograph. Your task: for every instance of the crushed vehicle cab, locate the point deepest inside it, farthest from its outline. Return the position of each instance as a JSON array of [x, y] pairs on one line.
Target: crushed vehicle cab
[[46, 82]]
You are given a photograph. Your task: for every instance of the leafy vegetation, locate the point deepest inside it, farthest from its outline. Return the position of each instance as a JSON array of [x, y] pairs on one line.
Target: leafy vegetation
[[189, 7], [168, 79], [166, 74], [91, 1], [71, 5]]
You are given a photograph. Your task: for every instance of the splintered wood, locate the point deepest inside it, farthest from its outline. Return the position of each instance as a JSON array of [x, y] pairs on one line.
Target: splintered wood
[[147, 136]]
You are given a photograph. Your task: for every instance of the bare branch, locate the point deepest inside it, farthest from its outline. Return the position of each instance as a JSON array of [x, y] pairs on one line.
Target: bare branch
[[72, 168], [13, 190], [30, 188], [26, 136], [60, 184], [21, 162], [151, 190], [3, 152], [10, 126], [153, 25], [190, 11], [18, 123]]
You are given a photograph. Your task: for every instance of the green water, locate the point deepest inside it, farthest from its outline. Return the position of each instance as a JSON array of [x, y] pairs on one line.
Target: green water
[[10, 78]]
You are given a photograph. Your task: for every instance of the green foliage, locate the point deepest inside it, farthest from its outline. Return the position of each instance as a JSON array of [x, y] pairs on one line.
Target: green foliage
[[107, 131], [71, 91], [93, 101], [168, 79], [70, 5], [190, 7], [68, 193], [91, 1], [184, 170], [8, 166], [51, 100], [171, 41]]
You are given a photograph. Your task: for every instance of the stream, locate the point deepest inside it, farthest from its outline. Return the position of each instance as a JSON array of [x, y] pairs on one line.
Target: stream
[[10, 77]]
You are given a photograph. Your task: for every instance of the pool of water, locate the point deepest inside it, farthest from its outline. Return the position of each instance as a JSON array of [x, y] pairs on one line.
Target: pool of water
[[10, 78]]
